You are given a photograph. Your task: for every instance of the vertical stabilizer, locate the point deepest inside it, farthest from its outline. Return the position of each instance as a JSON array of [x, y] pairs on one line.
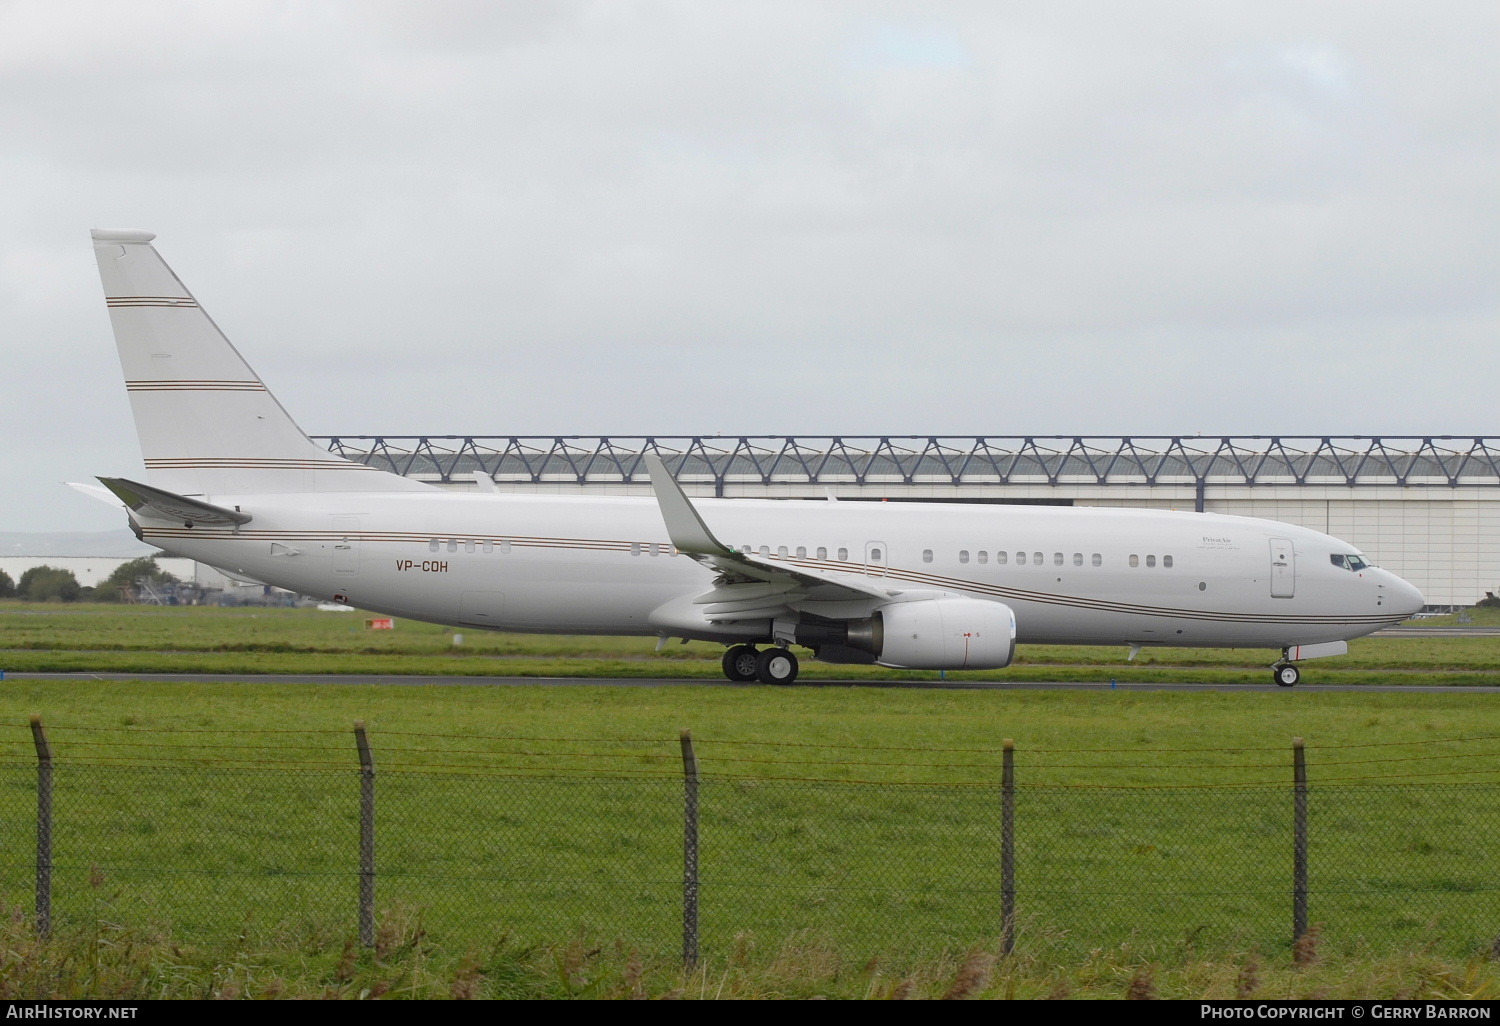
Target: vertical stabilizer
[[207, 423]]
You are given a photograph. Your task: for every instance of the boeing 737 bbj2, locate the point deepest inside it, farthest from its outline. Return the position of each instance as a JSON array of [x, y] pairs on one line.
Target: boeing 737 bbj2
[[231, 481]]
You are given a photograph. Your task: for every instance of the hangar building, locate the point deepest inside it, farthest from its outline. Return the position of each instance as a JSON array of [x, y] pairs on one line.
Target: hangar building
[[1427, 508]]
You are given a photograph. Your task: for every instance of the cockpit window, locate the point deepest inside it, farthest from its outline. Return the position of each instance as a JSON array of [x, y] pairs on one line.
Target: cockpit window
[[1348, 562]]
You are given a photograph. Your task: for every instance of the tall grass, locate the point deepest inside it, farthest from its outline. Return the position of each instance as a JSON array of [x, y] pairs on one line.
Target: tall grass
[[106, 960]]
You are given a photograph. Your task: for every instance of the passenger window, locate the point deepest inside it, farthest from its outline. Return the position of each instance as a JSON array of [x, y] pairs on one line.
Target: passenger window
[[781, 550], [452, 544], [505, 547], [1098, 559], [843, 554], [765, 550], [1057, 559], [984, 557], [875, 555], [432, 546], [653, 549], [1166, 561], [801, 551], [1078, 559], [1002, 556], [1036, 557], [635, 548], [927, 555], [1135, 560], [469, 545], [489, 546], [1020, 559], [822, 552], [963, 555], [1150, 560]]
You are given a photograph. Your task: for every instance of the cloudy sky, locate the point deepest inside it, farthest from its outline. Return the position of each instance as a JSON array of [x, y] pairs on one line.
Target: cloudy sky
[[765, 217]]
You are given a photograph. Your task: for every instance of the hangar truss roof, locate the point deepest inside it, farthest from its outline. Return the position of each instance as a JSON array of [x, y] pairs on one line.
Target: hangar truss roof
[[1352, 461]]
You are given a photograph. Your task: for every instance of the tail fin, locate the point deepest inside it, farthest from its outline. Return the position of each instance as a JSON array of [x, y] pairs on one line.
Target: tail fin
[[207, 424]]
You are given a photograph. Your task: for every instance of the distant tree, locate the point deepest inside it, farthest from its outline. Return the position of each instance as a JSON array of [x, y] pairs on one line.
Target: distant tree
[[48, 584], [7, 586], [125, 576], [1489, 600]]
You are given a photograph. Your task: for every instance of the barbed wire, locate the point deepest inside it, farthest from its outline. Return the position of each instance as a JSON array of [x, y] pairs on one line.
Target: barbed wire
[[710, 741]]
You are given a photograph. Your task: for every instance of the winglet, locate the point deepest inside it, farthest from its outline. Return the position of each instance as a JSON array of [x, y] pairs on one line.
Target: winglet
[[685, 527]]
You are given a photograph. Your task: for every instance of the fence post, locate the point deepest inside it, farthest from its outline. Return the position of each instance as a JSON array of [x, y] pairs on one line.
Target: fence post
[[689, 853], [43, 828], [1299, 840], [366, 836], [1008, 848]]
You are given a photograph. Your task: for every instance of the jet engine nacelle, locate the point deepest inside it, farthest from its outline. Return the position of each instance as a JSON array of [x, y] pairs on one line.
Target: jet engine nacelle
[[924, 634], [947, 634]]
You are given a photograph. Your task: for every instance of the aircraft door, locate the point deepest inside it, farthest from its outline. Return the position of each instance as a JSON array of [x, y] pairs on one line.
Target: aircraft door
[[876, 557], [1283, 568], [346, 545]]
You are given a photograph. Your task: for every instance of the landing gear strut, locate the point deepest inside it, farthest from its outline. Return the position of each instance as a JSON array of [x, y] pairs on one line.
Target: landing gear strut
[[744, 663]]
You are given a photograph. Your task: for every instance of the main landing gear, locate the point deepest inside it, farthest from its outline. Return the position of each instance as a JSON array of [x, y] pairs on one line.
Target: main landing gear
[[1286, 674], [771, 666]]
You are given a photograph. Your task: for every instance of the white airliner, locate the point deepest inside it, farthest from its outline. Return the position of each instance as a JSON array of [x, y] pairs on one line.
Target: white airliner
[[233, 482]]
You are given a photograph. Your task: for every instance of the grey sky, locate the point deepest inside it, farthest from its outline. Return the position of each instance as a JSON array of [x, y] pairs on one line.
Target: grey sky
[[759, 217]]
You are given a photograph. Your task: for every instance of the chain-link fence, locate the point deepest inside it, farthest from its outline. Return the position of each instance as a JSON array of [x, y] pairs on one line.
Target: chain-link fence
[[696, 862]]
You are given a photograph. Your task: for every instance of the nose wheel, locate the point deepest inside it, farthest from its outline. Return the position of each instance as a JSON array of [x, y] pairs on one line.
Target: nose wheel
[[1286, 675]]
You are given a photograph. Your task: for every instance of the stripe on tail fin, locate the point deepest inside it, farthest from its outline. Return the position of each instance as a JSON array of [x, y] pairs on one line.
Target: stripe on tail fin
[[207, 423]]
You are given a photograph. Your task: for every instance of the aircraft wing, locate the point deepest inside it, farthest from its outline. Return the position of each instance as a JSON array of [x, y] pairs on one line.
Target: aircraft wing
[[748, 586]]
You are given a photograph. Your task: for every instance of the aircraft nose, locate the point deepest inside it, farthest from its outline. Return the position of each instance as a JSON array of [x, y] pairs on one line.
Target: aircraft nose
[[1404, 596]]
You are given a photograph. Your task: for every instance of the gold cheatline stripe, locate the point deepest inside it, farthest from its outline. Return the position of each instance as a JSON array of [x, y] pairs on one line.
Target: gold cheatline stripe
[[187, 386], [1040, 598], [168, 301]]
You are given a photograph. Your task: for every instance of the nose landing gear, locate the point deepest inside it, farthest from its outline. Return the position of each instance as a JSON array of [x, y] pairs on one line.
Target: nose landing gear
[[743, 663]]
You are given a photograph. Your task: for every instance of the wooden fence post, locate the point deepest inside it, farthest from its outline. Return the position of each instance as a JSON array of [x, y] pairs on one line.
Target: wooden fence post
[[366, 836], [43, 828], [1299, 839], [689, 853], [1008, 848]]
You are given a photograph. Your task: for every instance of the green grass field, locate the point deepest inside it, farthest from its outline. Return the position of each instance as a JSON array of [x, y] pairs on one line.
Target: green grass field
[[840, 823], [136, 639]]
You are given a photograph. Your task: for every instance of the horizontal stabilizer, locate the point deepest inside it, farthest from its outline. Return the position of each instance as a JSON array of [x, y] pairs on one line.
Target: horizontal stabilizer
[[155, 502], [96, 493]]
